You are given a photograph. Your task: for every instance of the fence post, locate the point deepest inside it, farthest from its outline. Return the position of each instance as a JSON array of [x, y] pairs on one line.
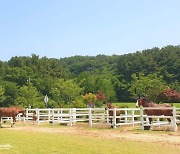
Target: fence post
[[114, 117], [74, 115], [61, 112], [174, 120], [142, 119], [58, 116], [49, 114], [107, 116], [70, 116], [37, 112], [133, 117], [52, 116], [158, 120], [125, 115], [90, 117], [147, 120]]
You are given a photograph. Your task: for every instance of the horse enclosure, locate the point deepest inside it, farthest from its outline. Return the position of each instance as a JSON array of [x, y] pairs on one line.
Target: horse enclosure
[[128, 116]]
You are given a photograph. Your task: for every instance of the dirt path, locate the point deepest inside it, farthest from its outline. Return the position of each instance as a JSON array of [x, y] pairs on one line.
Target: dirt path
[[124, 133]]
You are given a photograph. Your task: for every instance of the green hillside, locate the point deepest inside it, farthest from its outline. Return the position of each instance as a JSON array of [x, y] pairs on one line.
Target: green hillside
[[25, 81]]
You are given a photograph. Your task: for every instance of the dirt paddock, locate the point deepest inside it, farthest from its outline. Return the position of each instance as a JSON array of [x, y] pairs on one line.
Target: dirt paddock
[[101, 131]]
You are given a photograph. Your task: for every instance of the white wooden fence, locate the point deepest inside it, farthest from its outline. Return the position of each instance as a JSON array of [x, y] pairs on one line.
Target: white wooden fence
[[156, 119], [68, 115], [177, 115], [128, 116]]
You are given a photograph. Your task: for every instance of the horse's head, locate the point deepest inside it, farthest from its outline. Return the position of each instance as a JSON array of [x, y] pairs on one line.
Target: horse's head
[[144, 102], [139, 102], [108, 105], [24, 113]]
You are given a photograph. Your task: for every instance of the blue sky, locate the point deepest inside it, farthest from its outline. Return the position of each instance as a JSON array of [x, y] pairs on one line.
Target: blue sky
[[64, 28]]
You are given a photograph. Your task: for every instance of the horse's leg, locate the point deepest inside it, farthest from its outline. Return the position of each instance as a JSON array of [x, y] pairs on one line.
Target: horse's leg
[[118, 120], [169, 120], [0, 123], [14, 120], [150, 120], [111, 122]]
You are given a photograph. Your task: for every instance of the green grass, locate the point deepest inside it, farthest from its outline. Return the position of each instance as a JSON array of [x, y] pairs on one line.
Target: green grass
[[177, 105], [133, 104], [125, 104], [30, 142]]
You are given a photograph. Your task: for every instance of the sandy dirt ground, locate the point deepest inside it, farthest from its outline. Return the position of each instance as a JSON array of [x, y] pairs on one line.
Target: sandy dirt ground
[[123, 133]]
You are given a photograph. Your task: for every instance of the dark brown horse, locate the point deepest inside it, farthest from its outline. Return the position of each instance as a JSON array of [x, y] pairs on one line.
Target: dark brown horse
[[11, 112], [109, 106], [34, 117], [163, 109]]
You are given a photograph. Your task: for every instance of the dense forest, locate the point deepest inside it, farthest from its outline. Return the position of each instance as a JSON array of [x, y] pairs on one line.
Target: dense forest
[[75, 81]]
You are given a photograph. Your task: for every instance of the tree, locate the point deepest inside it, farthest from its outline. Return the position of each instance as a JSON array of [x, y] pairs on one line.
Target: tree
[[18, 75], [29, 96], [104, 83], [92, 82], [66, 92], [122, 88], [109, 74], [90, 99], [149, 86], [10, 92], [100, 98], [2, 96], [169, 95]]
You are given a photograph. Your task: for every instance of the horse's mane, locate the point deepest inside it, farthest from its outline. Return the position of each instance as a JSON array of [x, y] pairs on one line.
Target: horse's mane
[[16, 107], [154, 104], [150, 103], [147, 100], [19, 109]]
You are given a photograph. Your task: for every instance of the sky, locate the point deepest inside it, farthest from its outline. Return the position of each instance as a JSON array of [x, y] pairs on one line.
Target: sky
[[65, 28]]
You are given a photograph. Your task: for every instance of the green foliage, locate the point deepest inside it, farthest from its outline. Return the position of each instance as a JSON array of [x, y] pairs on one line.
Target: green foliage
[[175, 85], [18, 75], [164, 62], [29, 96], [10, 92], [149, 86], [105, 85], [98, 81], [90, 98], [94, 99], [2, 92], [125, 104], [121, 87], [78, 103], [66, 92], [65, 80], [99, 103]]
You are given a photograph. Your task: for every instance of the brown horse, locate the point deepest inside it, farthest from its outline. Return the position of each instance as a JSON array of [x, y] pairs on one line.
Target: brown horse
[[109, 106], [34, 117], [11, 112], [163, 108]]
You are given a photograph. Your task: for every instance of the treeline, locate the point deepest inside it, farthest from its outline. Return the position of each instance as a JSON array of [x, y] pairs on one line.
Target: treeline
[[25, 81]]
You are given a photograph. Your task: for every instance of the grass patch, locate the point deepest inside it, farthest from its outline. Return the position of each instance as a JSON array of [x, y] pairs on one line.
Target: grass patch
[[125, 104], [133, 104], [177, 105], [27, 141]]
